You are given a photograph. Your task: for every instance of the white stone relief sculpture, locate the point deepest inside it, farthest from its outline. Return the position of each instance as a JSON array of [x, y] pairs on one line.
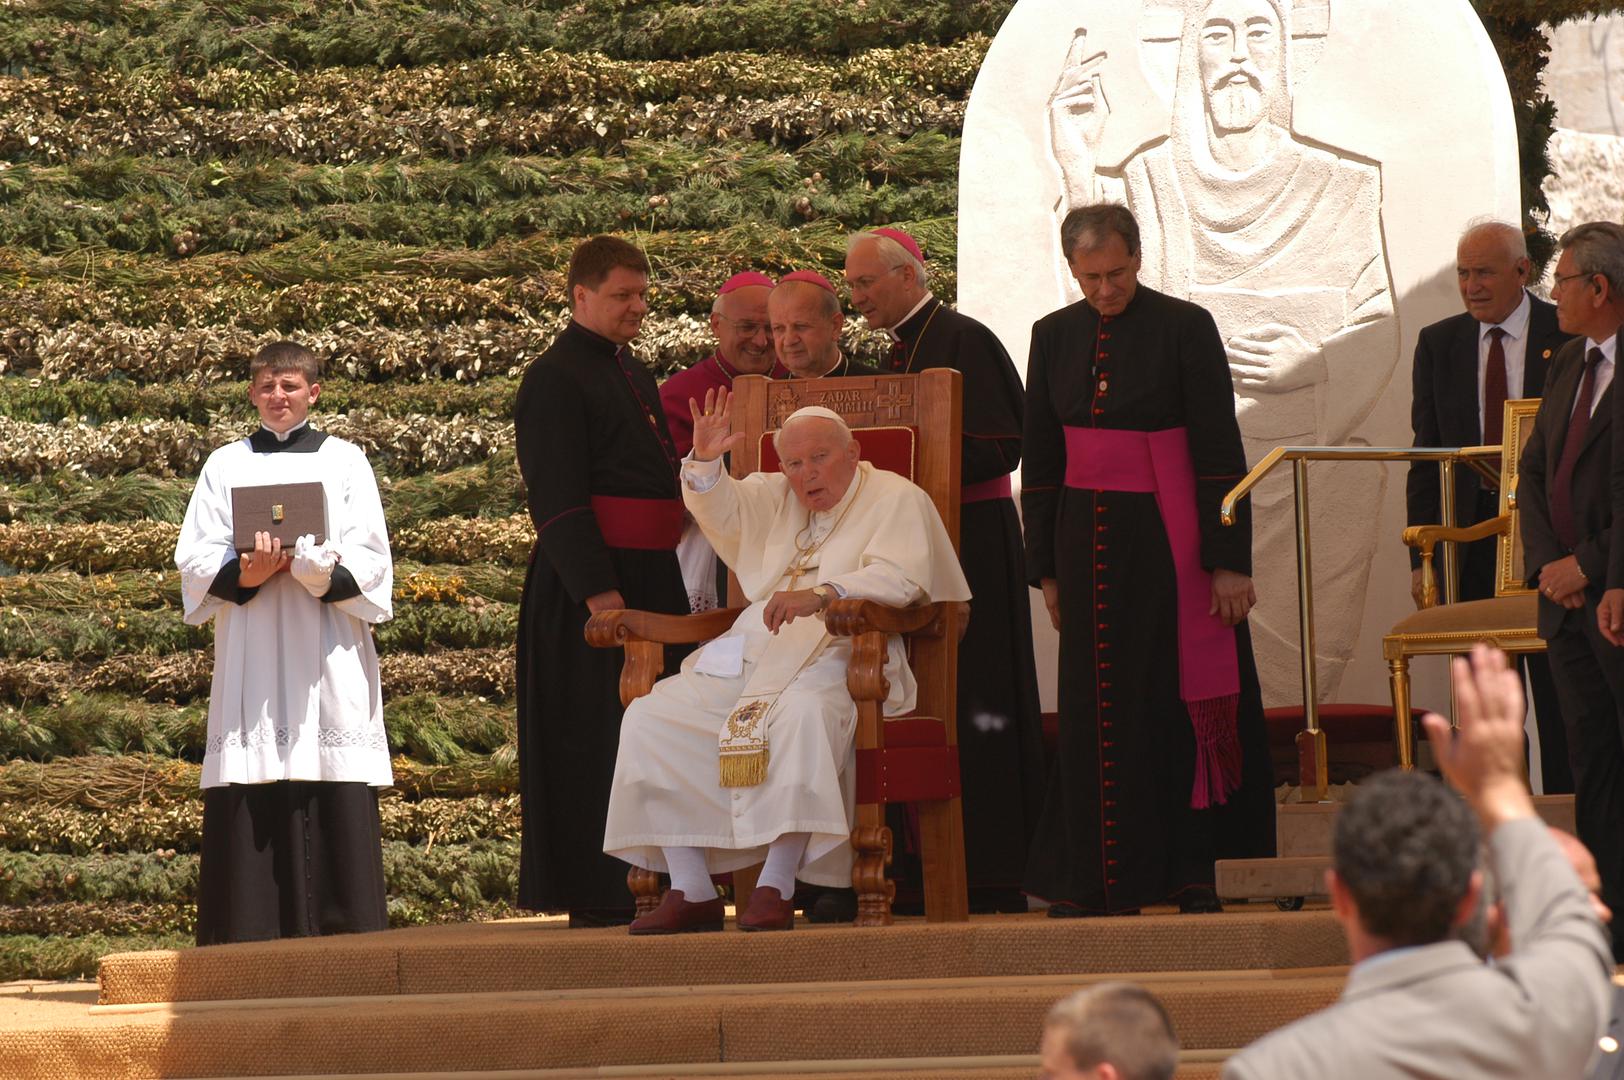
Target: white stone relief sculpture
[[1256, 141]]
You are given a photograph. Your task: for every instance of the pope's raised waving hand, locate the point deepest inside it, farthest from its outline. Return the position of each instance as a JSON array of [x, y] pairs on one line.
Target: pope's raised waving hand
[[712, 425]]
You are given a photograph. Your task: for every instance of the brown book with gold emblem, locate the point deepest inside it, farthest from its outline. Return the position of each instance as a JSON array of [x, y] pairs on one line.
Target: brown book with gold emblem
[[286, 511]]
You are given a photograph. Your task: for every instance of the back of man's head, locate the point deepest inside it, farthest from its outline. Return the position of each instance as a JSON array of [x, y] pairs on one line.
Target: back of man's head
[[1116, 1024], [1405, 848]]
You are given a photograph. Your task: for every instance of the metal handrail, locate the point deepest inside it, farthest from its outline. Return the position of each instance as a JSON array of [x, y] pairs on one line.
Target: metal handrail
[[1472, 455], [1477, 457]]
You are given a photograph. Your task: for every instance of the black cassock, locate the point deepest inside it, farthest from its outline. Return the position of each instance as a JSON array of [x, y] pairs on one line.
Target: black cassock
[[1000, 725], [1117, 830], [587, 422]]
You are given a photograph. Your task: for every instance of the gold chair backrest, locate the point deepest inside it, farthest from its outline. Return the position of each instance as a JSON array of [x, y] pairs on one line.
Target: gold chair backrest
[[1509, 579]]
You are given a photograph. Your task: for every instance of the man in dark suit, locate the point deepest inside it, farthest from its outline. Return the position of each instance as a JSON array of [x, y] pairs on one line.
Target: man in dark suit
[[1565, 506], [1466, 366]]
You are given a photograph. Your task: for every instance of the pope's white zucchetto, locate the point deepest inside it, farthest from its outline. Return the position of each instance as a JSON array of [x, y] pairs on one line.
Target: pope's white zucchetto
[[812, 412]]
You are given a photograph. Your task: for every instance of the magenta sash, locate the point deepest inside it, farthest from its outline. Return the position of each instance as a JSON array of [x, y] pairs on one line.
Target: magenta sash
[[997, 488], [1102, 459]]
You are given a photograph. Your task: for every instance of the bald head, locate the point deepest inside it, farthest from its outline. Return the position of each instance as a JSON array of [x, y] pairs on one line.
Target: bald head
[[806, 322], [828, 424]]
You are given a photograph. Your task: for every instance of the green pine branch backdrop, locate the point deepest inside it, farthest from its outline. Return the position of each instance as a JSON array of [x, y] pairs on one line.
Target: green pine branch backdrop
[[397, 182]]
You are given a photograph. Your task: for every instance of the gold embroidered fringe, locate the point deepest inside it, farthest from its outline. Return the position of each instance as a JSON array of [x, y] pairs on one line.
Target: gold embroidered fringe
[[742, 756], [744, 770]]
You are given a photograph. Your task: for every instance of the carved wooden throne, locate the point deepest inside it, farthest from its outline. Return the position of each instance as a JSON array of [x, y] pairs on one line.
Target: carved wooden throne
[[909, 424]]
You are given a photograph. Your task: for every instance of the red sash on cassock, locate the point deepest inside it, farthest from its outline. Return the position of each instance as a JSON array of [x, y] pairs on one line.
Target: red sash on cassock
[[1104, 459], [643, 524], [986, 491], [999, 487]]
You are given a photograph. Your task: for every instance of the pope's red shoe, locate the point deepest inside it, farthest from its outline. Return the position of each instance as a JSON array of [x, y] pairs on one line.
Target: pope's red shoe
[[767, 910], [676, 915]]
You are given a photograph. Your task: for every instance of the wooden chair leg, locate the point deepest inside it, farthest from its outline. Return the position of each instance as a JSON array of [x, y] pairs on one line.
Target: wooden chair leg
[[1399, 674], [646, 889], [872, 845], [941, 839]]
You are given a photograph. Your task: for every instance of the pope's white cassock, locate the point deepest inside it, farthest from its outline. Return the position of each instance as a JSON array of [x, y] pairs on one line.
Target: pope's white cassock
[[882, 541], [296, 752]]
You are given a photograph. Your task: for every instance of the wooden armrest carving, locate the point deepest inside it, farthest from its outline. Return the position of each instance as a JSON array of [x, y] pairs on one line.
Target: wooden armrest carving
[[1427, 537], [612, 629], [865, 671], [851, 618]]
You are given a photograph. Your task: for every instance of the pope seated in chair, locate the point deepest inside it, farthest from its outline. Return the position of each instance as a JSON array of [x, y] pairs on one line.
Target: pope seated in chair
[[747, 753]]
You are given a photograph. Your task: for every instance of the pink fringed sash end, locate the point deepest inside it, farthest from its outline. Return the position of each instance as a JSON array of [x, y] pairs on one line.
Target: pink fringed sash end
[[1217, 750]]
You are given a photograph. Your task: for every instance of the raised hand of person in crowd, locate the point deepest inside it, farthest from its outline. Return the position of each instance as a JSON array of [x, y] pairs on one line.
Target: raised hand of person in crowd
[[1483, 758], [264, 562], [712, 423]]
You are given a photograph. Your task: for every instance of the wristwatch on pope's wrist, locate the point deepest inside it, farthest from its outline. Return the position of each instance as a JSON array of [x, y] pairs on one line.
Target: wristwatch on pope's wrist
[[825, 594]]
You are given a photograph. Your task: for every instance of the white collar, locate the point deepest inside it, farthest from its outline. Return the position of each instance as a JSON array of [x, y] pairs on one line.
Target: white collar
[[1516, 324], [290, 432], [917, 308]]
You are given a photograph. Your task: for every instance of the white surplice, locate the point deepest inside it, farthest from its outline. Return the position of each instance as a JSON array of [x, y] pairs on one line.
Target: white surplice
[[296, 693], [889, 546]]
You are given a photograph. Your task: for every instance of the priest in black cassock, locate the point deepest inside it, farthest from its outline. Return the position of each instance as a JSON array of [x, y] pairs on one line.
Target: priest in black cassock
[[1000, 722], [600, 473], [1131, 443]]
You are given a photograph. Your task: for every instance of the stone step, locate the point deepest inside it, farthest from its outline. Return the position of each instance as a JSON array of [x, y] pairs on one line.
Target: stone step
[[1291, 878], [1193, 1065], [632, 1026], [1305, 828], [1303, 840], [521, 954]]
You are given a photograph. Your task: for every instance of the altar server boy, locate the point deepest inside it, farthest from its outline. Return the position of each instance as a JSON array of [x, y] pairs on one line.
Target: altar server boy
[[296, 750]]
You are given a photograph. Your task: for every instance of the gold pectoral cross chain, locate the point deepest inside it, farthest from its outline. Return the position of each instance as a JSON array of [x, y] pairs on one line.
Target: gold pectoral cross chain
[[803, 555]]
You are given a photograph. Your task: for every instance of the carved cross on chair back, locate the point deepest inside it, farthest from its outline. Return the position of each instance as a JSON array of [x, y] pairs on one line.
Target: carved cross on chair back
[[910, 424]]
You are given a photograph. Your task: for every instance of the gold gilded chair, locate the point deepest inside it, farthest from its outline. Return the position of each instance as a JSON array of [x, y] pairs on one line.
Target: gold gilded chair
[[1507, 620], [911, 425]]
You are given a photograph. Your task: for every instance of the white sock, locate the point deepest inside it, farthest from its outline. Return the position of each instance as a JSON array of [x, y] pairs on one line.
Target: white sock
[[783, 859], [690, 873]]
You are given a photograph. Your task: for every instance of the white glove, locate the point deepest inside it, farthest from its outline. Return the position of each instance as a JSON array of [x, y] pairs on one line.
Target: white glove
[[313, 565]]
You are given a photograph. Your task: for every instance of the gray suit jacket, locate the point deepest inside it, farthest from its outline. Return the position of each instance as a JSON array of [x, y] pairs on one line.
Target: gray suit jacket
[[1438, 1012]]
